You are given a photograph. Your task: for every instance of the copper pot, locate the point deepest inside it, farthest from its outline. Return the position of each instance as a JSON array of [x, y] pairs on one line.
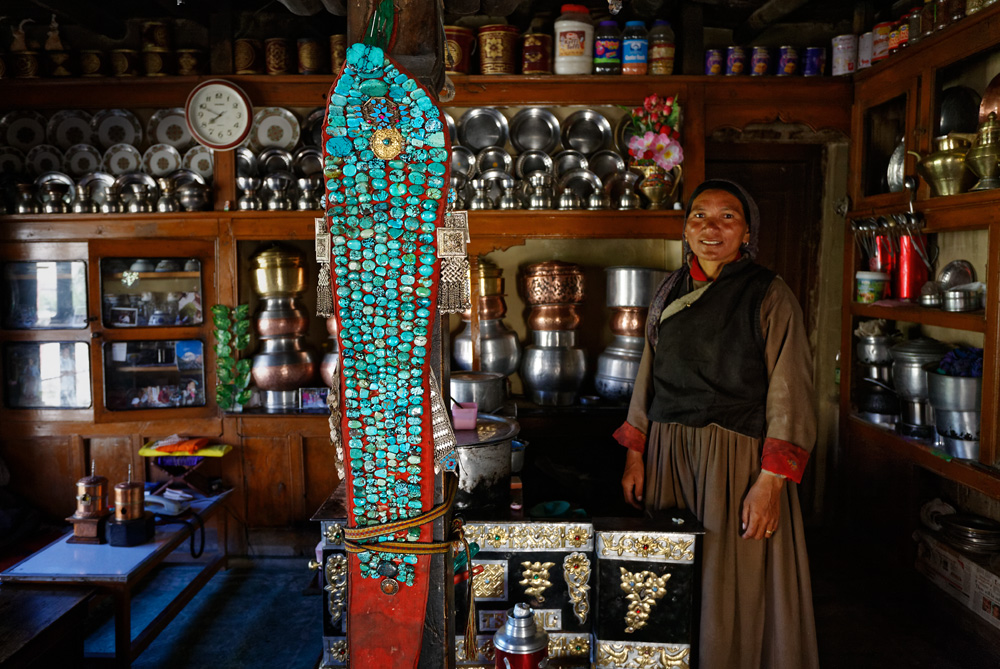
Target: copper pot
[[281, 316], [628, 321], [553, 282], [129, 500], [553, 317], [492, 307], [331, 326], [284, 363], [91, 496], [278, 272]]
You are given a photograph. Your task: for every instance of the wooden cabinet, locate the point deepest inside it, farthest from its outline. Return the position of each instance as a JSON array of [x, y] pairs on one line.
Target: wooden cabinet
[[900, 100], [282, 468]]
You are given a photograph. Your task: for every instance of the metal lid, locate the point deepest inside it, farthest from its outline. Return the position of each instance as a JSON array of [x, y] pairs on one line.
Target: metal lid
[[919, 350], [989, 131], [489, 430], [520, 635]]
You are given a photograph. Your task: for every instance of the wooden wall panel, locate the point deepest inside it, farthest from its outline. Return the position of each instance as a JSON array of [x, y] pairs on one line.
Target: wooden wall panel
[[113, 455], [320, 471], [267, 479], [44, 471]]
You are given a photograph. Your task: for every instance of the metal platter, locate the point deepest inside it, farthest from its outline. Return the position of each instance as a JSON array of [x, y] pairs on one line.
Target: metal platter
[[480, 127], [246, 162], [569, 160], [312, 128], [532, 161], [183, 176], [582, 182], [274, 160], [586, 131], [894, 173], [623, 132], [494, 158], [308, 161], [124, 180], [534, 128], [605, 163], [452, 131], [956, 273], [463, 162]]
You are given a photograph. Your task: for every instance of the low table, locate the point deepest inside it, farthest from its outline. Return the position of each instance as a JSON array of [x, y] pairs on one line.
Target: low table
[[117, 570], [42, 626]]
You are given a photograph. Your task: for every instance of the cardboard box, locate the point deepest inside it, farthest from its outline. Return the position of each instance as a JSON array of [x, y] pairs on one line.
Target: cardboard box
[[946, 567], [985, 600]]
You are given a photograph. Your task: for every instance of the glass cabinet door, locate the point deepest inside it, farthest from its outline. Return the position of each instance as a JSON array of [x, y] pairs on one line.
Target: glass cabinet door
[[47, 375], [44, 295], [151, 292], [166, 374]]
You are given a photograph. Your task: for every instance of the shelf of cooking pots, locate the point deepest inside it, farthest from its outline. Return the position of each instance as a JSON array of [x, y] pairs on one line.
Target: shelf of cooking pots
[[968, 473], [608, 224], [973, 321]]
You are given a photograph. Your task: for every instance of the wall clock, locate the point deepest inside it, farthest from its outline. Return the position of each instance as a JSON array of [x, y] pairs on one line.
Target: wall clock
[[219, 114]]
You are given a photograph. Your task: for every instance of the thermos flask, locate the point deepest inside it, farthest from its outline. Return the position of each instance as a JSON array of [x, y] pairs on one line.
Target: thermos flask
[[520, 644], [911, 269]]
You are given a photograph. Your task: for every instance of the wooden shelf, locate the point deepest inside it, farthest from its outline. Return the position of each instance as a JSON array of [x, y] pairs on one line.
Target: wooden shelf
[[973, 321], [972, 474], [966, 211], [159, 275]]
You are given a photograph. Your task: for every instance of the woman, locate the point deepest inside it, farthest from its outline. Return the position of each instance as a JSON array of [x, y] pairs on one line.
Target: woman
[[721, 423]]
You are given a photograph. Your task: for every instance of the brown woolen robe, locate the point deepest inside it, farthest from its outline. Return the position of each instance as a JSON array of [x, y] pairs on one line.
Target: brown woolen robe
[[756, 609]]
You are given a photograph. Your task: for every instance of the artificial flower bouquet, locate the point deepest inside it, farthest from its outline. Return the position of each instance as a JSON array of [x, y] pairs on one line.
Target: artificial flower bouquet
[[655, 138]]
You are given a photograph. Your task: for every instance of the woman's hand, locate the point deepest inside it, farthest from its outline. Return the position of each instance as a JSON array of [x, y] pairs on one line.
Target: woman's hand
[[761, 507], [634, 478]]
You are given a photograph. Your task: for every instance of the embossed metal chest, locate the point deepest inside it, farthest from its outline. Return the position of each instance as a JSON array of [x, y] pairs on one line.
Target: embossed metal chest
[[548, 565], [647, 582], [332, 517]]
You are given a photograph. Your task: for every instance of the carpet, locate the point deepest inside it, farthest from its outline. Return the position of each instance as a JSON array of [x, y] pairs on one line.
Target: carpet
[[259, 613]]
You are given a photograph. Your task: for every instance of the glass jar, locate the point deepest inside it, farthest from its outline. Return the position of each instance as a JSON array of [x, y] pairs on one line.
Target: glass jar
[[942, 14], [973, 6], [928, 18], [635, 48], [608, 48], [956, 10], [915, 30], [662, 48]]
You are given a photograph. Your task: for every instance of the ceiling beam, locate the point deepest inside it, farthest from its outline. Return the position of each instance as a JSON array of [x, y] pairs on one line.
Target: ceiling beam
[[769, 13]]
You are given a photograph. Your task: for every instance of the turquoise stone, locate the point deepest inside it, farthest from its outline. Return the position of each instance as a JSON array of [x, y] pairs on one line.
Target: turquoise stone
[[374, 88]]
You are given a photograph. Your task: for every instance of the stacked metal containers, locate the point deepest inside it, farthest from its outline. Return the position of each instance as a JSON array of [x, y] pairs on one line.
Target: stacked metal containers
[[552, 368], [285, 362], [499, 348], [630, 290]]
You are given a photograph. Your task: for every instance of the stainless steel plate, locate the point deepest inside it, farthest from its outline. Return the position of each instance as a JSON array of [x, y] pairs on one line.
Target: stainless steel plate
[[623, 132], [582, 182], [274, 160], [586, 131], [480, 127], [312, 128], [894, 173], [308, 161], [534, 128], [183, 177], [463, 161], [569, 160], [246, 162], [494, 158], [605, 163], [532, 161], [125, 179], [452, 131]]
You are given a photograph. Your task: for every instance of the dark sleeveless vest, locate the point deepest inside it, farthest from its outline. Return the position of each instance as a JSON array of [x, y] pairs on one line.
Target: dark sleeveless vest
[[709, 365]]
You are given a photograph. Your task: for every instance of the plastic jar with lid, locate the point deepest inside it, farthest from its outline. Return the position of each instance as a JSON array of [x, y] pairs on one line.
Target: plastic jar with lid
[[635, 48], [608, 48], [661, 48], [574, 38]]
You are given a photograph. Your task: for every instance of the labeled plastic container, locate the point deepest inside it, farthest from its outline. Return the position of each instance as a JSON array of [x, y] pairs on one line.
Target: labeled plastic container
[[608, 48], [871, 286], [574, 41], [662, 48], [635, 48]]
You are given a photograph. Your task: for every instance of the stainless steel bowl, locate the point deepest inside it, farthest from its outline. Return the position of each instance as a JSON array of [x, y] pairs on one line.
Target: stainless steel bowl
[[962, 425], [961, 300], [487, 389], [874, 350]]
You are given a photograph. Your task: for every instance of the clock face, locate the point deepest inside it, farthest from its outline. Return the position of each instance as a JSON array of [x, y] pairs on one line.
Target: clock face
[[218, 114]]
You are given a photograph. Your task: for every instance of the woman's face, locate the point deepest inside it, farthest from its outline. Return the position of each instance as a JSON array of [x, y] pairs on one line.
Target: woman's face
[[716, 228]]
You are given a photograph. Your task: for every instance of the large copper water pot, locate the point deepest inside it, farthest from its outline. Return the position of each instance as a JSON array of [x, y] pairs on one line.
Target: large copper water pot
[[554, 317], [278, 272], [284, 363], [983, 158], [945, 169], [628, 321], [280, 316]]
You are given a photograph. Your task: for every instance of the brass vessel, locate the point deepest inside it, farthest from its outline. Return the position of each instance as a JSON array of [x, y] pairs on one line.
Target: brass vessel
[[278, 272], [659, 185], [983, 159], [490, 278], [945, 169]]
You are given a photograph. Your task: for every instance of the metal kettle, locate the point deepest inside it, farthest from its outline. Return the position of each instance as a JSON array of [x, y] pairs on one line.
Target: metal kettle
[[520, 644]]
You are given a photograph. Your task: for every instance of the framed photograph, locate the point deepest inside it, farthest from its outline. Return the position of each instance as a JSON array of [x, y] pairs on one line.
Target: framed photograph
[[124, 317], [313, 398]]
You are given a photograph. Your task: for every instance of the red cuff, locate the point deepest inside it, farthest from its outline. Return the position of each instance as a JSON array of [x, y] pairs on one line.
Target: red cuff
[[630, 437], [782, 457]]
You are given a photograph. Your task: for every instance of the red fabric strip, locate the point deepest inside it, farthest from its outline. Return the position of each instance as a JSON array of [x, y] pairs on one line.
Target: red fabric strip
[[630, 437], [785, 458]]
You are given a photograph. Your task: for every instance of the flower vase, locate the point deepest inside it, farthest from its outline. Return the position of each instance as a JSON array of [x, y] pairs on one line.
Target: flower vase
[[659, 185]]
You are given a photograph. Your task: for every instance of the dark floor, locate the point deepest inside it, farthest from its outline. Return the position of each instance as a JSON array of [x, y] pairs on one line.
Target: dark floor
[[262, 613]]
